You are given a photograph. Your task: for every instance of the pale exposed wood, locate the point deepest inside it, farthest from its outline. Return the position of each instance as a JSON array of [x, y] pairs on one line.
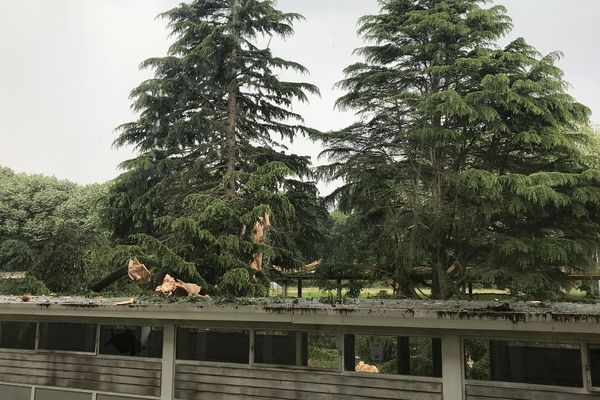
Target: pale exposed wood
[[123, 303], [137, 271]]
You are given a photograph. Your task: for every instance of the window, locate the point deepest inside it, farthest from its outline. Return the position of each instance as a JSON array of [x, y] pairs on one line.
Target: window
[[17, 335], [134, 341], [229, 346], [594, 360], [313, 350], [523, 362], [400, 355], [64, 336]]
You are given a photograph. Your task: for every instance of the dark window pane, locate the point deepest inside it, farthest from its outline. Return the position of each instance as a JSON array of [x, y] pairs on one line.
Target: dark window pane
[[403, 355], [17, 335], [134, 341], [594, 356], [524, 362], [64, 336], [296, 348], [213, 345]]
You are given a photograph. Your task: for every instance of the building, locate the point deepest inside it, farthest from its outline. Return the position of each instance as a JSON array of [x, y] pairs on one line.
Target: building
[[92, 349]]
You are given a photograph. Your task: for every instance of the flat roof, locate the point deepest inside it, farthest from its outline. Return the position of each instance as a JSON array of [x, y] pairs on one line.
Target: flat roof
[[388, 313]]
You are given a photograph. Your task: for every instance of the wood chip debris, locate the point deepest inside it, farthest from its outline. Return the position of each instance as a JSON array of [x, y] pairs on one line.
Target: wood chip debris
[[124, 302], [138, 271], [170, 286]]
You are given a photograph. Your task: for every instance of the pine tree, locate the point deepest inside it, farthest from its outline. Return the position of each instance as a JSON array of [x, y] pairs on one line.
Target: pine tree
[[467, 158], [211, 163]]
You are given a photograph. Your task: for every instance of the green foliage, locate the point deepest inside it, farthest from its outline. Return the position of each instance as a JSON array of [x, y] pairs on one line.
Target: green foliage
[[237, 283], [28, 285], [468, 158], [209, 164], [51, 229]]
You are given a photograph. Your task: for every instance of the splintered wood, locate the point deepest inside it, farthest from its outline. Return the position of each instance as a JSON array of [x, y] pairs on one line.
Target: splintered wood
[[362, 367], [137, 271], [261, 229], [170, 286]]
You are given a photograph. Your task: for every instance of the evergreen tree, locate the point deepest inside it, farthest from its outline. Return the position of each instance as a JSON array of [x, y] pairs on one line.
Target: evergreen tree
[[211, 163], [467, 156]]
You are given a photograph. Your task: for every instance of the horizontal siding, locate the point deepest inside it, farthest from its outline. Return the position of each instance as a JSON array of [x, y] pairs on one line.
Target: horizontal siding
[[194, 382], [477, 392], [81, 372]]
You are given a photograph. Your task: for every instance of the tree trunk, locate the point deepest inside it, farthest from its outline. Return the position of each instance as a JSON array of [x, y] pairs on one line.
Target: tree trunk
[[109, 279], [231, 146], [230, 140]]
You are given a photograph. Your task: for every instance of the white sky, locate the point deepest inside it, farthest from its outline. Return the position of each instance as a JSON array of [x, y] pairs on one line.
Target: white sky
[[67, 67]]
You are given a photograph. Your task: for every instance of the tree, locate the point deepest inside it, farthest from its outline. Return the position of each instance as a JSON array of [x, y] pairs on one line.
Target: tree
[[210, 165], [51, 229], [468, 157]]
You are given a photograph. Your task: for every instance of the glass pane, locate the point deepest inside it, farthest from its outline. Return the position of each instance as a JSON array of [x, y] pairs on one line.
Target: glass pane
[[524, 362], [594, 356], [64, 336], [134, 341], [314, 350], [17, 335], [213, 345], [403, 355]]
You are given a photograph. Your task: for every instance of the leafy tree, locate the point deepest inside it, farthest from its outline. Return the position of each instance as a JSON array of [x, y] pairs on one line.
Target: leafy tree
[[468, 157], [210, 164], [51, 229]]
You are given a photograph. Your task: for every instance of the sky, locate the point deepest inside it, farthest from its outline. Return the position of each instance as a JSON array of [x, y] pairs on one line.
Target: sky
[[67, 67]]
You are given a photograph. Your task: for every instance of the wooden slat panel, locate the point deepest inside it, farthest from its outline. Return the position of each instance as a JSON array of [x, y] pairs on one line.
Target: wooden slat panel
[[82, 384], [476, 392], [289, 389], [80, 359], [91, 368], [195, 382], [103, 375], [81, 372], [306, 376]]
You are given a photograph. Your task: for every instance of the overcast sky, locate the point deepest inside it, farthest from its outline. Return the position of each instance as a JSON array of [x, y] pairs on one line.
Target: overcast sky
[[67, 66]]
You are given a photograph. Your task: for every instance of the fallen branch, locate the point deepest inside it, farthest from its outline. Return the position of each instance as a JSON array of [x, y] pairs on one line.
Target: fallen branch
[[170, 286]]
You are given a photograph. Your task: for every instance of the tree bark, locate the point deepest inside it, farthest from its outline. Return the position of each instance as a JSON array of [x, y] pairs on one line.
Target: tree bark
[[231, 146], [109, 279]]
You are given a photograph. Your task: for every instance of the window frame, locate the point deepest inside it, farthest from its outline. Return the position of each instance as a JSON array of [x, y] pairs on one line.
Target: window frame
[[585, 389], [35, 341], [75, 352], [122, 357], [216, 363], [339, 347], [388, 332]]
